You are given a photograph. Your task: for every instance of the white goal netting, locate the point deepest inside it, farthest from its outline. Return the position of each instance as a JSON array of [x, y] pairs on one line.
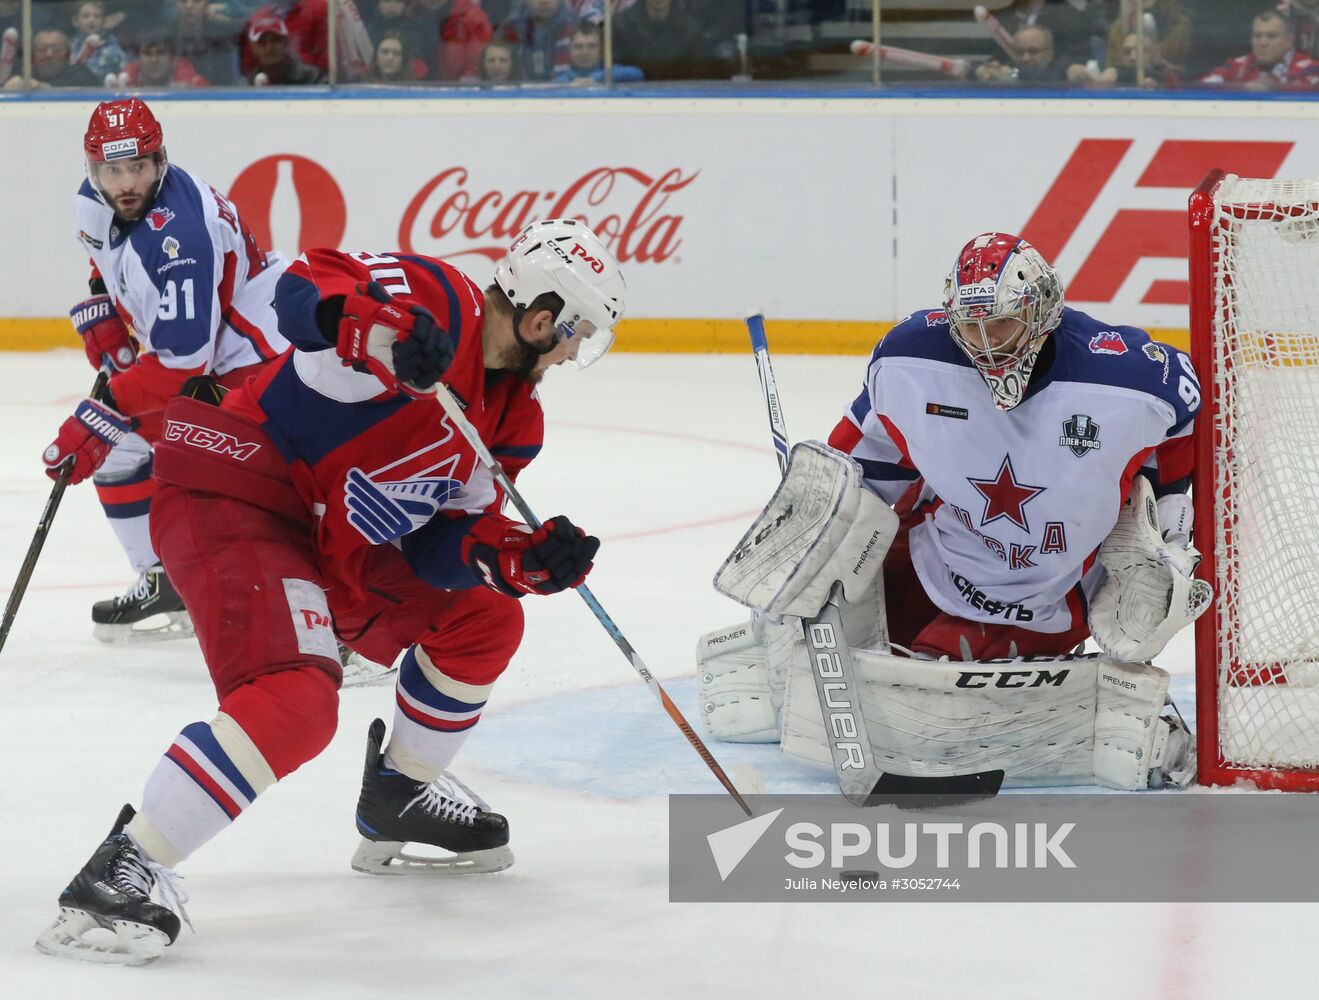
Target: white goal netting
[[1265, 253]]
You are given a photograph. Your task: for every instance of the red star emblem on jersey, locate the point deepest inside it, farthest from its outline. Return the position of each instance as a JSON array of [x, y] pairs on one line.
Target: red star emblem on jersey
[[1004, 496]]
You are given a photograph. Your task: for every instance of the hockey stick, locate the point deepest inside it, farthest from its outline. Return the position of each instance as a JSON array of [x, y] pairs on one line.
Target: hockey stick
[[39, 536], [1000, 34], [460, 421], [956, 68], [860, 778]]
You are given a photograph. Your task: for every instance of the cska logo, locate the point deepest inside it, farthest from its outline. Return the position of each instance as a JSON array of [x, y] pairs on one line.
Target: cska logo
[[596, 265], [158, 218], [1108, 342]]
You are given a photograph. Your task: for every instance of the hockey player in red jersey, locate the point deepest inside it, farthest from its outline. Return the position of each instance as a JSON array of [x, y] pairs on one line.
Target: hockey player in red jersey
[[179, 290], [332, 495]]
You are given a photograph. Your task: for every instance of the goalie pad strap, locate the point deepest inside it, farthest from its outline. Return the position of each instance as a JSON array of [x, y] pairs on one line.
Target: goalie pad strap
[[822, 525]]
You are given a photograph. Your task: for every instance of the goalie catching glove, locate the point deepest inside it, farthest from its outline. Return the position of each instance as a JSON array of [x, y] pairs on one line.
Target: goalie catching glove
[[1151, 593], [517, 559], [400, 345]]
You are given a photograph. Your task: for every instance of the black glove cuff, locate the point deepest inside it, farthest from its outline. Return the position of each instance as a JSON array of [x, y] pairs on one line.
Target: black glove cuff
[[328, 314]]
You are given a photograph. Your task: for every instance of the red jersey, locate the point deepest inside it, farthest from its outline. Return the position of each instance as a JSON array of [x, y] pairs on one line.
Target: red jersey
[[375, 466], [1294, 71]]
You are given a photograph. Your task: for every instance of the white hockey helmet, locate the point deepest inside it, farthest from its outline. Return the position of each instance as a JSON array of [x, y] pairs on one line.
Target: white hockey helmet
[[563, 256], [1002, 300]]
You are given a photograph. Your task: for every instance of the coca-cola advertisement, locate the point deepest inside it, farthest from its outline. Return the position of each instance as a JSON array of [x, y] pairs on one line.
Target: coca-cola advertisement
[[828, 214]]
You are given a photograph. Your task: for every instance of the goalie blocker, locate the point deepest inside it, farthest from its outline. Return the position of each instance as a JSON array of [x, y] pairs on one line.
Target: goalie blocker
[[1042, 720]]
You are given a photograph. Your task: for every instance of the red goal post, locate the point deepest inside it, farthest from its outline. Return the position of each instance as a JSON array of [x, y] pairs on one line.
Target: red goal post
[[1254, 281]]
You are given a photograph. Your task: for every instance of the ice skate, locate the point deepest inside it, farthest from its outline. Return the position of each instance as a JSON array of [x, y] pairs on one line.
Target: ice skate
[[151, 610], [444, 818], [106, 912], [358, 671]]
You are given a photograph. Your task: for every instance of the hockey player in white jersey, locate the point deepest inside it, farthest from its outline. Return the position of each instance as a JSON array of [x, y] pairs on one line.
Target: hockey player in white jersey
[[1036, 462], [180, 290]]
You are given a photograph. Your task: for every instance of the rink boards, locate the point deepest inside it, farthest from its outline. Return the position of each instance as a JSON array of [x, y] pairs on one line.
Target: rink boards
[[835, 216]]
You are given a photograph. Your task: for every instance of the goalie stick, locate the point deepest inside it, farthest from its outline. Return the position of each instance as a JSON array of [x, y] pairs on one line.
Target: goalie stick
[[39, 536], [464, 427], [860, 778]]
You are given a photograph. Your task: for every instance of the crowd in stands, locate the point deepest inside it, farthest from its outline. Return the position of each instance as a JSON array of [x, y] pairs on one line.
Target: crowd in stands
[[130, 44]]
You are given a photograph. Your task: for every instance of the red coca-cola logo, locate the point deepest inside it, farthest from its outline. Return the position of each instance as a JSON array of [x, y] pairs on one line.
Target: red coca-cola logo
[[626, 207], [324, 216]]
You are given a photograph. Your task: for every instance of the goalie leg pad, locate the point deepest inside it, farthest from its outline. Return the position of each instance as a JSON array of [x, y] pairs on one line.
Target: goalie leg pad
[[1044, 721], [739, 674], [740, 669], [822, 525]]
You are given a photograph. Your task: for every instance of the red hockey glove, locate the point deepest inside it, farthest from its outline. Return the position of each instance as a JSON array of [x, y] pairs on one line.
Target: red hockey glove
[[105, 338], [400, 345], [85, 438], [516, 559]]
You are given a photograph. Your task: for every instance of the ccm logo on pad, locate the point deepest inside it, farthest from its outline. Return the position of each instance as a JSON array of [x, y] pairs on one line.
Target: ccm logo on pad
[[210, 440]]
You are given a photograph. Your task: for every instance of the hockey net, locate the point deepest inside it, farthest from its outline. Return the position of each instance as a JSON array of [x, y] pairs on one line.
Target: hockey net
[[1255, 341]]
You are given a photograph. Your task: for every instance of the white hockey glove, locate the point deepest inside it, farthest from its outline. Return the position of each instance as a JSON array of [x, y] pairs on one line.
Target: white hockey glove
[[1150, 594]]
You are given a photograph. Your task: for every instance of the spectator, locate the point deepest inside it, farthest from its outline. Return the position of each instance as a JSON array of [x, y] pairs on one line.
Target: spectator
[[392, 15], [500, 64], [1303, 16], [1273, 62], [543, 29], [51, 66], [92, 45], [1035, 62], [586, 60], [307, 26], [158, 66], [1072, 29], [1172, 30], [456, 32], [1122, 73], [664, 40], [393, 62], [208, 38], [275, 62]]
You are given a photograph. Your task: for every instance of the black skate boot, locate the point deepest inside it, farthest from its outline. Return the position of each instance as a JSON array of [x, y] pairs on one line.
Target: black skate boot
[[106, 913], [151, 610], [395, 810]]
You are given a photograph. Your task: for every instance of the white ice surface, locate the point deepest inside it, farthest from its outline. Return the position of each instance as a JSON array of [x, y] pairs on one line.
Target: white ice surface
[[666, 458]]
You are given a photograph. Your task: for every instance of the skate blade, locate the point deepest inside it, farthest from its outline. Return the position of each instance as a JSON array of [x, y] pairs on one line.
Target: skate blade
[[358, 672], [78, 935], [175, 625], [387, 857]]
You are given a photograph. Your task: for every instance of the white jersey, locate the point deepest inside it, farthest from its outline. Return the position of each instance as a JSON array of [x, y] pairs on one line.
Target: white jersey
[[1010, 506], [188, 278]]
